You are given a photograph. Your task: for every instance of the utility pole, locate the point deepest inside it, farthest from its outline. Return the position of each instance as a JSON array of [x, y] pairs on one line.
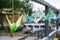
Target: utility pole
[[46, 22], [57, 20]]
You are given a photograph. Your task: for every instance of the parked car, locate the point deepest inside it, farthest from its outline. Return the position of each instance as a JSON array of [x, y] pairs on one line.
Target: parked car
[[27, 28], [36, 28], [32, 27]]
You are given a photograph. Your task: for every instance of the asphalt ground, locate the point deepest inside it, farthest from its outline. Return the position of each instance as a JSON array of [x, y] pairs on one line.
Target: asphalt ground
[[16, 38]]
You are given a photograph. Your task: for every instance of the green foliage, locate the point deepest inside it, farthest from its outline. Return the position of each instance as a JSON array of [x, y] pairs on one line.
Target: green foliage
[[25, 5], [28, 8], [18, 4], [8, 4], [5, 3]]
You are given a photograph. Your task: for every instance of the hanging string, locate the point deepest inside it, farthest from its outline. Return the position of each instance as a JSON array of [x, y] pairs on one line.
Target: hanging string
[[13, 9]]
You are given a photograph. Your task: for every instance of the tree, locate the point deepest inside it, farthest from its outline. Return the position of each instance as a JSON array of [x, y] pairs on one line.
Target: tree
[[8, 4], [3, 4], [18, 4], [27, 7]]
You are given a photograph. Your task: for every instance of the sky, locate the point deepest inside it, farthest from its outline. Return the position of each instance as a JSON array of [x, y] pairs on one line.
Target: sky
[[55, 3]]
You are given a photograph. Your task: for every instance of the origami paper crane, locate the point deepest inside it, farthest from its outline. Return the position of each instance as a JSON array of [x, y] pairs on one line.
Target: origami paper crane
[[28, 18], [50, 11], [40, 14], [14, 26]]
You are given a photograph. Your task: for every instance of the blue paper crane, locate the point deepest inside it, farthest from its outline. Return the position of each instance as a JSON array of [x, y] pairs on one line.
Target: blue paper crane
[[28, 18]]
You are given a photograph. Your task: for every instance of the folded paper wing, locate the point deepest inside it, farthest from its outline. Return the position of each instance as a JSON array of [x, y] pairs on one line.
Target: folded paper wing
[[27, 17], [9, 22], [18, 22]]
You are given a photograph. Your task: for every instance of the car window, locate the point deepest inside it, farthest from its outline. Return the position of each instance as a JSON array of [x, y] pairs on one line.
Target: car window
[[24, 26], [30, 26], [36, 26], [42, 26]]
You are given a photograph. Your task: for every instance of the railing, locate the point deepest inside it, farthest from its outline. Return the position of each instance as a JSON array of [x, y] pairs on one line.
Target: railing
[[50, 35]]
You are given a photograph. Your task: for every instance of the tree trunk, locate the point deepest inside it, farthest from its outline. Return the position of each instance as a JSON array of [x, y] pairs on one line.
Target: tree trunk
[[11, 33], [1, 22]]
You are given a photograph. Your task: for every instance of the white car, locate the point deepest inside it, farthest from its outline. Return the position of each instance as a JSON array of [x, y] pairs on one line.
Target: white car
[[32, 27], [27, 28], [36, 28]]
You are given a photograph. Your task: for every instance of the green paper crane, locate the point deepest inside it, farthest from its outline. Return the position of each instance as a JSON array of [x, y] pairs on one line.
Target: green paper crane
[[50, 11], [14, 26]]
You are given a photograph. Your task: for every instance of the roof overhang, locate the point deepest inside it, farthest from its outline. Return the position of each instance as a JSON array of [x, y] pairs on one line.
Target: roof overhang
[[46, 3]]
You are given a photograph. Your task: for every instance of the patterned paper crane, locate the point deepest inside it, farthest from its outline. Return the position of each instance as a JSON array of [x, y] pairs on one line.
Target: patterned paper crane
[[13, 26]]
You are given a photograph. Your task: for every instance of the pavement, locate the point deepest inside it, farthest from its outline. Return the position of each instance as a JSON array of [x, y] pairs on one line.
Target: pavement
[[16, 38], [9, 38]]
